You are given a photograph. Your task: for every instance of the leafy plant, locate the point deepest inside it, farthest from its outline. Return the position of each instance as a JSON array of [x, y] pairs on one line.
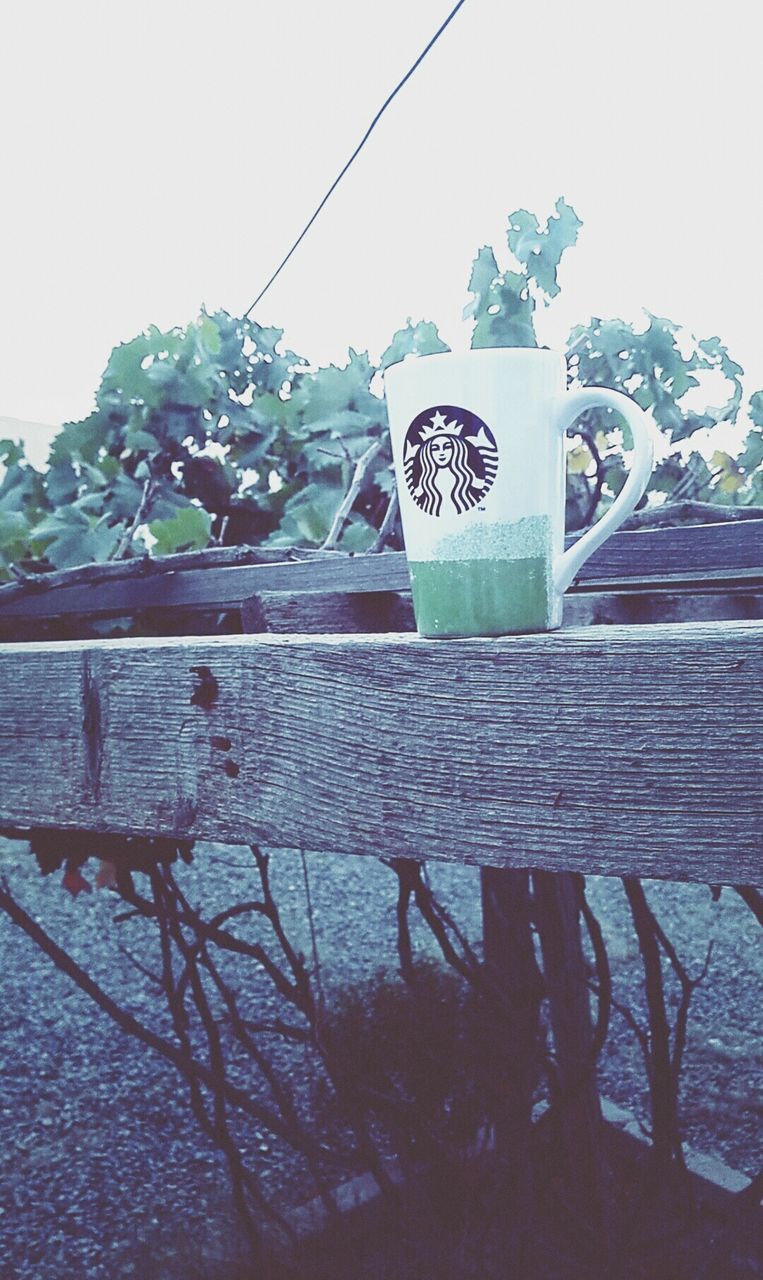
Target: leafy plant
[[214, 433]]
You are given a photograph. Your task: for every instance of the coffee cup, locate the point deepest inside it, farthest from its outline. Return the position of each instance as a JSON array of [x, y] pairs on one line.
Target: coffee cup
[[478, 449]]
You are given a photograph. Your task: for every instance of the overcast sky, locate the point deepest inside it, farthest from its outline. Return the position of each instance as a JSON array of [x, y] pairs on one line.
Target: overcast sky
[[158, 155]]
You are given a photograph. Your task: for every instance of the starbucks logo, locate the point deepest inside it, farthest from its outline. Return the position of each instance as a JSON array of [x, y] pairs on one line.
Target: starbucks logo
[[450, 459]]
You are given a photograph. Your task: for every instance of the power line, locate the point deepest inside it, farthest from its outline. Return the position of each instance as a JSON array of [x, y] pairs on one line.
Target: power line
[[356, 152]]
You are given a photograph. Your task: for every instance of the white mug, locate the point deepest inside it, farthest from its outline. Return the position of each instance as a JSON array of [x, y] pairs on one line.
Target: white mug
[[478, 446]]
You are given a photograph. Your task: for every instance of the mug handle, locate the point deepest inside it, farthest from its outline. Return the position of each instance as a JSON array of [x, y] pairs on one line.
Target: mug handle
[[571, 406]]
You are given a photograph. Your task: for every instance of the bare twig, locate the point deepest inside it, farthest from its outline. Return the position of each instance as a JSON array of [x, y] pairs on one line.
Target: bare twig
[[687, 985], [125, 542], [294, 959], [242, 1031], [242, 1180], [348, 501], [675, 513], [238, 1097], [218, 542], [593, 500], [753, 898], [666, 1136], [388, 523], [406, 873], [311, 922], [146, 566], [439, 922], [277, 1027], [603, 974], [154, 979]]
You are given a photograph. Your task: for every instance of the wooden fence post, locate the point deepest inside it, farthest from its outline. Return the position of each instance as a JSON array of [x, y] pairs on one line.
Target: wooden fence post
[[510, 961], [575, 1095]]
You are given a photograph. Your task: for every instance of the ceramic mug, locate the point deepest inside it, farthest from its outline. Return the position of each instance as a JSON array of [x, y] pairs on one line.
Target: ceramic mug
[[478, 447]]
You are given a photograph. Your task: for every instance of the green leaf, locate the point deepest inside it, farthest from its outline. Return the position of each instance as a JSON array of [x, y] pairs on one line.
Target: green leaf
[[14, 527], [332, 390], [124, 498], [309, 514], [729, 478], [187, 531], [358, 535], [208, 333], [718, 357], [62, 484], [752, 456], [540, 252], [756, 408], [505, 317], [140, 441], [484, 273], [11, 452], [420, 339], [72, 538], [79, 440]]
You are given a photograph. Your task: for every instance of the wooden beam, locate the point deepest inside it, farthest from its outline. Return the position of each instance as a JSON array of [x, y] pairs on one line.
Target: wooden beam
[[698, 554], [607, 749], [314, 613]]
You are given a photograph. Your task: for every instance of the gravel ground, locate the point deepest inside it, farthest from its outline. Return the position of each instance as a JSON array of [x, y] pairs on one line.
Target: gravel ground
[[103, 1173]]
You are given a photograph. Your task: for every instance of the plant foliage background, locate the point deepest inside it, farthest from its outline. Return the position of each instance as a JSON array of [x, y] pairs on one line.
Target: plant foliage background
[[215, 433]]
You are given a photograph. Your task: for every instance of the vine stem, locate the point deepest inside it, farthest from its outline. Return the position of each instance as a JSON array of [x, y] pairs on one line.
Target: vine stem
[[346, 505], [387, 524], [236, 1096], [146, 498]]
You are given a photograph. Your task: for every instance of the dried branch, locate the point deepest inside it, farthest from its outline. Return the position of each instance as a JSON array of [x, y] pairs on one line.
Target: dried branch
[[406, 873], [687, 985], [439, 921], [603, 975], [126, 1021], [753, 898], [216, 1128], [348, 501], [154, 979], [300, 1139], [366, 1145], [311, 923], [675, 513], [293, 992], [663, 1082], [593, 500], [146, 566], [243, 1181], [388, 523], [125, 542]]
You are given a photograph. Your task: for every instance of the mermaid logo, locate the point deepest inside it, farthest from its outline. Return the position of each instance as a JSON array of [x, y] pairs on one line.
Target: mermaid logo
[[450, 460]]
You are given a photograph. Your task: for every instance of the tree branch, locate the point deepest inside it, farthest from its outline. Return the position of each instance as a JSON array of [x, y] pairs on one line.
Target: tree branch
[[125, 542], [753, 898], [347, 503], [671, 514], [388, 523], [63, 961]]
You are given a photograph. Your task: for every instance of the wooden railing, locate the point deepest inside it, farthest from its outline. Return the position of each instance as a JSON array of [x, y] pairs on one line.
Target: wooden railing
[[626, 743]]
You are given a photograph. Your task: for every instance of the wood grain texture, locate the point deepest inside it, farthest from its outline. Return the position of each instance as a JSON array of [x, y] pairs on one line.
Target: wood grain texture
[[696, 554], [606, 749], [314, 612]]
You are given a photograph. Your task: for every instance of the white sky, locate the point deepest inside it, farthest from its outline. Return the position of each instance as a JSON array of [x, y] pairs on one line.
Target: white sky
[[161, 154]]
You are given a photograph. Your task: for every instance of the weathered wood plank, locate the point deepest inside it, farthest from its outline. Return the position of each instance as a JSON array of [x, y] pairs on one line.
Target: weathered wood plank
[[691, 552], [669, 557], [608, 749], [313, 612]]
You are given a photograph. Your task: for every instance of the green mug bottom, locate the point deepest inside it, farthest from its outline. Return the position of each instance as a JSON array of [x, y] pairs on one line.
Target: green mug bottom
[[481, 597]]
